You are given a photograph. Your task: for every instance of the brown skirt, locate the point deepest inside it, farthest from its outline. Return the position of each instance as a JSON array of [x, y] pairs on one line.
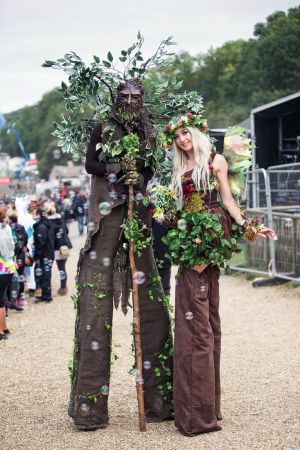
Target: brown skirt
[[197, 352]]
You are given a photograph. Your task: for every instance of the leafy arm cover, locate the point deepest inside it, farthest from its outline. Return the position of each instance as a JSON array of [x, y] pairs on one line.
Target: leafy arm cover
[[92, 164]]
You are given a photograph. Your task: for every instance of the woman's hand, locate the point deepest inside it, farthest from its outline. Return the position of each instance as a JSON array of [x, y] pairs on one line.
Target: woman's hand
[[267, 232]]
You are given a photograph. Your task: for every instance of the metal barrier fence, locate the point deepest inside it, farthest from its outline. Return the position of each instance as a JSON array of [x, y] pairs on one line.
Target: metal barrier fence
[[274, 196]]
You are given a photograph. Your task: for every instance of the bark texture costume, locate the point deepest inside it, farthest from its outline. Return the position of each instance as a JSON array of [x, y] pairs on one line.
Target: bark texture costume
[[103, 278]]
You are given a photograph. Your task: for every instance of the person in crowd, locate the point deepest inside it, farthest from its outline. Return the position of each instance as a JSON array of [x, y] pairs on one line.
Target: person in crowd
[[26, 211], [44, 254], [79, 210], [21, 255], [7, 267], [62, 244]]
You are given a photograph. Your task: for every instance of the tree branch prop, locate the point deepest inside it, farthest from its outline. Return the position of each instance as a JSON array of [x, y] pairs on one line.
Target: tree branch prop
[[136, 324]]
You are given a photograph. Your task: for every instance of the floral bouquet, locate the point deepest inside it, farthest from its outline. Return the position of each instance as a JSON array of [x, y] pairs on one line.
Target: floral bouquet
[[163, 201], [238, 154], [252, 228]]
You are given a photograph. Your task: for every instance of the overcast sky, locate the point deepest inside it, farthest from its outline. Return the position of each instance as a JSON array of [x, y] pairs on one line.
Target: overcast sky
[[34, 30]]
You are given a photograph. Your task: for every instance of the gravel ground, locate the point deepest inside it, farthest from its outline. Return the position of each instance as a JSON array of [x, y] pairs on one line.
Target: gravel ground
[[260, 376]]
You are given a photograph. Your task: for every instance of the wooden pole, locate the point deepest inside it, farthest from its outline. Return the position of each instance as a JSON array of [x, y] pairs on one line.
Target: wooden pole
[[136, 324]]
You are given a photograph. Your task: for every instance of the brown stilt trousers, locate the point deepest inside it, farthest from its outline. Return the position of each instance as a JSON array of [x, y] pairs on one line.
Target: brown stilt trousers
[[197, 352], [92, 342]]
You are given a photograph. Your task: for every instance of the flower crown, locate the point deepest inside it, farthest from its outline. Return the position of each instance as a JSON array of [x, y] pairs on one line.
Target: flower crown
[[188, 120]]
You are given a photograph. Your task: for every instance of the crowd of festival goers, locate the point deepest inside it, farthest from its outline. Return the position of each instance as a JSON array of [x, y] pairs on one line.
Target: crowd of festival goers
[[34, 235]]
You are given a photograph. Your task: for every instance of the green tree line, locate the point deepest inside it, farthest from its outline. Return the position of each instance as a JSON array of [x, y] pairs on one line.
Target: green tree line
[[233, 79]]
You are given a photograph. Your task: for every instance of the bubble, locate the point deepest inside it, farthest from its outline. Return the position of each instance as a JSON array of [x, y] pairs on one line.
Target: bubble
[[50, 262], [56, 153], [139, 380], [146, 200], [139, 196], [58, 235], [95, 345], [202, 288], [105, 208], [112, 177], [106, 261], [80, 210], [104, 390], [14, 294], [153, 198], [45, 261], [21, 278], [38, 271], [139, 277], [47, 268], [181, 224], [189, 315], [124, 196], [19, 262], [62, 274], [85, 409], [93, 255], [91, 226], [88, 327], [147, 365]]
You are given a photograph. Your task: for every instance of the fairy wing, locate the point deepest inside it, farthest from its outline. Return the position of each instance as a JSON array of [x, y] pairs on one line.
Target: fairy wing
[[238, 154]]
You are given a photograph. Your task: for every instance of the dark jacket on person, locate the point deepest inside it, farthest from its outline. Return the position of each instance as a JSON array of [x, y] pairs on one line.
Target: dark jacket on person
[[21, 240], [79, 205], [60, 231], [43, 234]]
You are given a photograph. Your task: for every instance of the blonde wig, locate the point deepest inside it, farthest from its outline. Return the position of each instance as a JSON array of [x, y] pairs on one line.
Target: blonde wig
[[202, 149]]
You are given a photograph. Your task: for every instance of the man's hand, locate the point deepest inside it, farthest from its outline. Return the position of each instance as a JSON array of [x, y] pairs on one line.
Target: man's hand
[[131, 178]]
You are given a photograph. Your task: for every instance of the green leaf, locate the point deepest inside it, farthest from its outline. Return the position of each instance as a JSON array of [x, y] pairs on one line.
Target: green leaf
[[48, 63], [110, 57], [106, 64], [96, 59]]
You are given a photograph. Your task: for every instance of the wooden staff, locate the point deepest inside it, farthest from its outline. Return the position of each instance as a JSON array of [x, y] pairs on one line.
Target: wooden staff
[[136, 324]]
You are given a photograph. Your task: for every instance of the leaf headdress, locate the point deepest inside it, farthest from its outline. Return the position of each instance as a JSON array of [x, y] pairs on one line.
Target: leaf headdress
[[91, 91]]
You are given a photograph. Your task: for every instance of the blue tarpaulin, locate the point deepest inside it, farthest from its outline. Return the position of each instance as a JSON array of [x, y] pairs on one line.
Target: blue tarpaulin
[[2, 121]]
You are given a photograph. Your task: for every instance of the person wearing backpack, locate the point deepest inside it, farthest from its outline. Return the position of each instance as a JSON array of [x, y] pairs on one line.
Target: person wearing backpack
[[43, 233], [21, 256], [62, 244]]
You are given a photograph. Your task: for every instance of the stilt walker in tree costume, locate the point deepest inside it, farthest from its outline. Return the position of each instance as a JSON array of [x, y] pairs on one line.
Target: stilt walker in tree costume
[[107, 104]]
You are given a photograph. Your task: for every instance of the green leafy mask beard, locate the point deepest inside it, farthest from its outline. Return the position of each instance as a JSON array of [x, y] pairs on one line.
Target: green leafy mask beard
[[128, 113]]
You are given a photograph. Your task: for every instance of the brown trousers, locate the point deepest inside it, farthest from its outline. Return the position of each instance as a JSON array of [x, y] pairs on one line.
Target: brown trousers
[[92, 343], [197, 351]]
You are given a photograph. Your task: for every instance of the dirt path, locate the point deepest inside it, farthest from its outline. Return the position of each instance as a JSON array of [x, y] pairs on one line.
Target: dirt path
[[260, 376]]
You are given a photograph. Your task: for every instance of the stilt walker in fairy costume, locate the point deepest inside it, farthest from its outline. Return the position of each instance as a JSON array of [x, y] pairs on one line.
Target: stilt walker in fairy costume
[[107, 108], [207, 223]]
